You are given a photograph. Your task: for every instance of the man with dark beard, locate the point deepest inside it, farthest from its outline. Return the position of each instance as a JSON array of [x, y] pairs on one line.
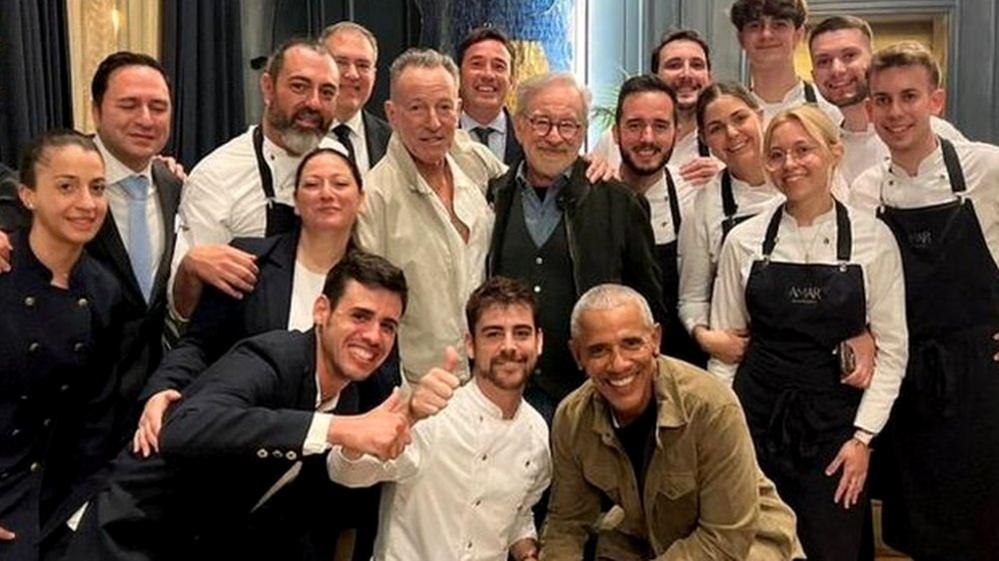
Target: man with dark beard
[[245, 187], [645, 129], [840, 47], [477, 467]]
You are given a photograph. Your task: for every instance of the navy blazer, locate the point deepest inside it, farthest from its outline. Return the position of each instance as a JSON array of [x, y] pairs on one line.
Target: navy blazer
[[377, 133], [238, 429]]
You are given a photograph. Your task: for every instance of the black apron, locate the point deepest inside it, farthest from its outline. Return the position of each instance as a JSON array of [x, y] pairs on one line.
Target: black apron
[[729, 206], [281, 218], [677, 342], [938, 470], [798, 411], [810, 93]]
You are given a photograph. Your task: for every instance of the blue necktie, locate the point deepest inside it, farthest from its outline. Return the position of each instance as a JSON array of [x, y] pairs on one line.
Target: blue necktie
[[140, 251]]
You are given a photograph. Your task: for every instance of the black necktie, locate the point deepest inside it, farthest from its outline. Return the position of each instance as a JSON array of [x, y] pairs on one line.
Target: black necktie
[[342, 133], [482, 133]]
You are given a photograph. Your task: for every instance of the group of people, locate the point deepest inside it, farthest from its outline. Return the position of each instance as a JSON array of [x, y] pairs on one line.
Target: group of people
[[451, 335]]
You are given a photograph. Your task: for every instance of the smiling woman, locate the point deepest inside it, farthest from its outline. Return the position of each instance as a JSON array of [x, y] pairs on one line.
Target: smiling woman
[[57, 386]]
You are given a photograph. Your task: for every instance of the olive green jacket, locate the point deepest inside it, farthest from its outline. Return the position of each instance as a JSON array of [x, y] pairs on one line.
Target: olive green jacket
[[704, 497]]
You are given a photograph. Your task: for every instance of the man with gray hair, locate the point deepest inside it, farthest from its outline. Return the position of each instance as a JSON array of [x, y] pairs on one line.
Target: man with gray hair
[[561, 233], [425, 208], [355, 51], [659, 442]]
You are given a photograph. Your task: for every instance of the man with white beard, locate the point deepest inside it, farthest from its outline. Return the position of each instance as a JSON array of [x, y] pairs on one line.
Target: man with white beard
[[245, 187]]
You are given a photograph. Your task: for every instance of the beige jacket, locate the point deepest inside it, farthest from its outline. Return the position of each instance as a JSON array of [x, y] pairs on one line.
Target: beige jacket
[[704, 498]]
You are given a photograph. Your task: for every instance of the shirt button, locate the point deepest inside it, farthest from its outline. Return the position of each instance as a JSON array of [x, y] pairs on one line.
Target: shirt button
[[29, 301], [277, 454], [34, 346], [78, 347], [537, 289], [24, 397], [261, 453], [82, 302], [64, 387], [291, 455], [478, 502], [15, 432], [35, 466], [538, 260], [485, 457], [46, 422], [469, 545]]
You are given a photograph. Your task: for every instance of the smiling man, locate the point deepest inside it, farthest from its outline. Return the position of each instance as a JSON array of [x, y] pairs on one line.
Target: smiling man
[[477, 467], [562, 233], [652, 457], [938, 461], [841, 49], [245, 188], [486, 60], [355, 51]]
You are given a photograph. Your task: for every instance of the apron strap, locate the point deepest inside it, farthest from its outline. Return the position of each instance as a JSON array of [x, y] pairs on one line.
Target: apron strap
[[729, 208], [702, 148], [953, 164], [266, 179], [674, 204], [844, 235], [810, 93]]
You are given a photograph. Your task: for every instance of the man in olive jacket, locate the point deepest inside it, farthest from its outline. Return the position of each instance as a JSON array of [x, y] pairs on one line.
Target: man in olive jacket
[[651, 456], [560, 233]]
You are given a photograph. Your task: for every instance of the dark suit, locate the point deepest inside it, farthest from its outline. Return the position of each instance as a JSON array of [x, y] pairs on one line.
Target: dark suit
[[514, 152], [376, 133], [220, 321], [606, 236], [240, 427]]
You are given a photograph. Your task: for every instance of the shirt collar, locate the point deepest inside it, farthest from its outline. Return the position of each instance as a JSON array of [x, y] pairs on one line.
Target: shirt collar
[[355, 124], [328, 405], [483, 403], [559, 183], [115, 170], [929, 164], [498, 124]]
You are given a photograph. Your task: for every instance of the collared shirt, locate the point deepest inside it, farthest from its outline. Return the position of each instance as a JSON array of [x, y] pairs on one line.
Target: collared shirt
[[306, 286], [890, 184], [464, 488], [662, 217], [873, 249], [358, 138], [793, 98], [497, 138], [700, 243], [684, 150], [118, 202], [541, 216], [404, 220], [864, 149]]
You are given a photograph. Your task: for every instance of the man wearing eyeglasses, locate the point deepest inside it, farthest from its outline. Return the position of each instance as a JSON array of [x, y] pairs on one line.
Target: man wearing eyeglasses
[[562, 233], [355, 51]]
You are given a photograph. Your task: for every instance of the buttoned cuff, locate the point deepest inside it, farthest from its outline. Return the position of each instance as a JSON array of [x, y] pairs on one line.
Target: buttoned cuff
[[315, 439]]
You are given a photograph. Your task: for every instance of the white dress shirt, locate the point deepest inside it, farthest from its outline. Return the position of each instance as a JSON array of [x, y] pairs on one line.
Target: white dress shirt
[[497, 139], [118, 203], [795, 97], [306, 286], [662, 217], [890, 184], [700, 243], [684, 150], [359, 140], [403, 220], [464, 488], [864, 149], [874, 250]]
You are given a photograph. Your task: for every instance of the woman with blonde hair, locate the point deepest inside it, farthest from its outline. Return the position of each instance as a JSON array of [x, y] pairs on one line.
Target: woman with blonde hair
[[802, 279]]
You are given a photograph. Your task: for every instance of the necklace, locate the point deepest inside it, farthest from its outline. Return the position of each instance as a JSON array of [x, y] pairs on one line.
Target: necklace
[[806, 248]]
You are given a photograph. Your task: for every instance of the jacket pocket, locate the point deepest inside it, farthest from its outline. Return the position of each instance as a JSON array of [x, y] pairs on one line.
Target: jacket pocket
[[677, 484]]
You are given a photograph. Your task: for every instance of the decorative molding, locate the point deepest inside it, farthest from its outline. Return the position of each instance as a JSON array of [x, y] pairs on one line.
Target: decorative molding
[[98, 28]]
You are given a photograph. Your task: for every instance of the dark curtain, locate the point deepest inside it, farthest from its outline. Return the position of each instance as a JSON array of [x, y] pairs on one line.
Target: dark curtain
[[34, 65], [202, 53]]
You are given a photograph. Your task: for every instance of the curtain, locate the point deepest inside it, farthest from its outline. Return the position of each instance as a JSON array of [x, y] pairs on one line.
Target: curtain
[[202, 54], [35, 88]]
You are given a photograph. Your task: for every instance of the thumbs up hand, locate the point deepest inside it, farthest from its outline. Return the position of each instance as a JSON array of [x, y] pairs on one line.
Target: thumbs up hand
[[435, 388]]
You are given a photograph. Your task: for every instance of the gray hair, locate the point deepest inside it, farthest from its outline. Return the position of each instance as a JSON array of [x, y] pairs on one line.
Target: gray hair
[[530, 87], [606, 297], [349, 26], [420, 58]]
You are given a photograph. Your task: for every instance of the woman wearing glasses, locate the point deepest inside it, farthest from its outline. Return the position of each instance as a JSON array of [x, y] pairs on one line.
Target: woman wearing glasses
[[802, 278]]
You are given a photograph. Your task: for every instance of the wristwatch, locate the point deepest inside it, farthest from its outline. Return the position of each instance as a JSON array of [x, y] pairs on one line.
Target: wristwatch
[[863, 436]]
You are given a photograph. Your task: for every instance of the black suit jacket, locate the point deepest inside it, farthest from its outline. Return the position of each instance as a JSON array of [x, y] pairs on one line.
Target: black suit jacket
[[141, 345], [240, 428], [376, 132], [514, 152]]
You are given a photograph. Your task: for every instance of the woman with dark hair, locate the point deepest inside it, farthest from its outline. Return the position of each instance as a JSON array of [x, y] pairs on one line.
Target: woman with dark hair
[[292, 269], [58, 334]]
